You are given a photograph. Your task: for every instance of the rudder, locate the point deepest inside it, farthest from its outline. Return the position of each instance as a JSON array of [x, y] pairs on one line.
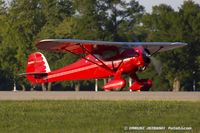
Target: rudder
[[37, 68]]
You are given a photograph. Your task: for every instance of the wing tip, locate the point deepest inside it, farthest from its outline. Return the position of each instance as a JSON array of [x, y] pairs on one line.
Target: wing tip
[[179, 43]]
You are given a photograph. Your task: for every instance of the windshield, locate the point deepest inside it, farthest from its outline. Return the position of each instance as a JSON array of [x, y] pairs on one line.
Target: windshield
[[146, 56]]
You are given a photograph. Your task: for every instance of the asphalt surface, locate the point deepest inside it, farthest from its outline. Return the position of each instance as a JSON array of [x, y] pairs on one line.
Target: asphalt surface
[[101, 95]]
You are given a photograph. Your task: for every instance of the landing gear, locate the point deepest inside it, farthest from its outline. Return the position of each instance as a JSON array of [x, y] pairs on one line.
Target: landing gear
[[140, 84], [119, 83], [143, 85], [115, 83]]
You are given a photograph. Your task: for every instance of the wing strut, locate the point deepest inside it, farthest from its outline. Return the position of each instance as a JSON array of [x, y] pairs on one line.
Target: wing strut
[[86, 51], [116, 68], [104, 65], [157, 50]]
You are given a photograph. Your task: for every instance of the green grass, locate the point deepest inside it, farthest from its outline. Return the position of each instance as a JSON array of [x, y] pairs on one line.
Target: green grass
[[95, 116]]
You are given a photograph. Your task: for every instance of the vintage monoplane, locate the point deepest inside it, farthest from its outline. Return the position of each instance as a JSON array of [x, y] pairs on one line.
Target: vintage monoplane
[[99, 59]]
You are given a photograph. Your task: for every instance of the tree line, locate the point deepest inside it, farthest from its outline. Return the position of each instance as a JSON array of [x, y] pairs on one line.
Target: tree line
[[24, 22]]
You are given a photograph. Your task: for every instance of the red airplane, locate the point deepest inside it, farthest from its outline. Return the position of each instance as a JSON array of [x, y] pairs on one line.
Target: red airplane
[[104, 59]]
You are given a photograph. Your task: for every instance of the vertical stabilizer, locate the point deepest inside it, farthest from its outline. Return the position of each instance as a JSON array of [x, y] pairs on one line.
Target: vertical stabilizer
[[37, 68]]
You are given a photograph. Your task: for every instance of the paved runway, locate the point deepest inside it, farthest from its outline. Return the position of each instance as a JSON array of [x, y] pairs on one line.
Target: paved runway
[[89, 95]]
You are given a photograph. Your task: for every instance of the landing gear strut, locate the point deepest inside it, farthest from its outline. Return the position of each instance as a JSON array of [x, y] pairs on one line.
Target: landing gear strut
[[140, 84]]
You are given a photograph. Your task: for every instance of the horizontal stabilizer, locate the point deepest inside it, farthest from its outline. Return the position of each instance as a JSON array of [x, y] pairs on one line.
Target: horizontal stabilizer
[[36, 75], [33, 73]]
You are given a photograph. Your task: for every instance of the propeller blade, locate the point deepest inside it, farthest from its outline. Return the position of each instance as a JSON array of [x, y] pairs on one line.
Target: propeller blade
[[157, 64]]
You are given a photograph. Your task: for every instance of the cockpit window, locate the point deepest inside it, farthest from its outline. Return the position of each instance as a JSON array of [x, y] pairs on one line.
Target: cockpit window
[[129, 53], [107, 54]]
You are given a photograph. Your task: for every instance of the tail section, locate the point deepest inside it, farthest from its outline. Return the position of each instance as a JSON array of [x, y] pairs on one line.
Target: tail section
[[37, 68]]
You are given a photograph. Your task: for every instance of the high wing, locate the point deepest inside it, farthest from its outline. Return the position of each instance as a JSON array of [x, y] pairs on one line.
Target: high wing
[[89, 46]]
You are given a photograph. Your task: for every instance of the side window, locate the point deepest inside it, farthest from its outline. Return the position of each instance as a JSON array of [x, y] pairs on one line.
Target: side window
[[129, 53], [107, 54]]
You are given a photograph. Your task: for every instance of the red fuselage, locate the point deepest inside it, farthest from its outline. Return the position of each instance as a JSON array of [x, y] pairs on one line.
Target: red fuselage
[[85, 68], [94, 67]]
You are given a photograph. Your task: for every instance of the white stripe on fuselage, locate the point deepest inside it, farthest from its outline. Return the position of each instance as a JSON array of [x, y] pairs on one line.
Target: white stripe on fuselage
[[83, 69], [71, 71]]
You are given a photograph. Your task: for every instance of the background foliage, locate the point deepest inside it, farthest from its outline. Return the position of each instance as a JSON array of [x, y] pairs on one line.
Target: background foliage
[[24, 22]]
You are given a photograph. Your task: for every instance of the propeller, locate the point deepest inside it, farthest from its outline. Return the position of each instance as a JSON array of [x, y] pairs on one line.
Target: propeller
[[157, 64], [149, 58]]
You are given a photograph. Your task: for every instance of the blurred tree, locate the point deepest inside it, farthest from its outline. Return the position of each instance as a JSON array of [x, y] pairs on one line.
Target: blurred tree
[[100, 20], [22, 23], [164, 24], [54, 12], [3, 14]]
